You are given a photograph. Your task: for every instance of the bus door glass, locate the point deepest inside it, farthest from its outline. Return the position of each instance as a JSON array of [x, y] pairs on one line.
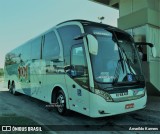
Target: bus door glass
[[78, 82], [75, 68]]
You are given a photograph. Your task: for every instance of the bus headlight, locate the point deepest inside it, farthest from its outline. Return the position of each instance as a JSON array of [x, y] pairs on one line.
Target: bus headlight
[[103, 94]]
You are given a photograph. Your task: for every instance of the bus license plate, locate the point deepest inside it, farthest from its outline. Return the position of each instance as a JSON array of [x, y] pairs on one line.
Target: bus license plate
[[128, 106]]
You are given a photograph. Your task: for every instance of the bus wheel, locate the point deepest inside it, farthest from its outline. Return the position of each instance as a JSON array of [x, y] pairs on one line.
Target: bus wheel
[[9, 84], [13, 88], [61, 103], [10, 88]]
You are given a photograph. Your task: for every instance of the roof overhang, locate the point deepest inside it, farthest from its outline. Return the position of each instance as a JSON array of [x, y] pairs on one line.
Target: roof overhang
[[110, 3]]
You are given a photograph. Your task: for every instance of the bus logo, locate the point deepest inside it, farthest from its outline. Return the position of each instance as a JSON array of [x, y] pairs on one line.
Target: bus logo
[[135, 92], [129, 77]]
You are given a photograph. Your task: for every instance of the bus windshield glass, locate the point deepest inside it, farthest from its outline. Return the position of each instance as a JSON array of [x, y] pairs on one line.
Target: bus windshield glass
[[117, 59]]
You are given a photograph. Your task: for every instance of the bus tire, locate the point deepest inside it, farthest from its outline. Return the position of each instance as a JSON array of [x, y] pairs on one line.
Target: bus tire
[[13, 88], [10, 87], [9, 84], [61, 103]]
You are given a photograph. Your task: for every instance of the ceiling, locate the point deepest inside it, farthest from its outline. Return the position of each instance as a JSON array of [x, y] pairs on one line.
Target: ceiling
[[110, 3]]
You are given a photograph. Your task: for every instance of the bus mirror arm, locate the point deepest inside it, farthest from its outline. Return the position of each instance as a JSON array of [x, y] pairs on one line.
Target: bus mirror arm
[[144, 44], [81, 36], [154, 53]]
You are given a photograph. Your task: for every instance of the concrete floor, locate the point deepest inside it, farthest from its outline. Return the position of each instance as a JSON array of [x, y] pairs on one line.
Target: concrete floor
[[24, 106]]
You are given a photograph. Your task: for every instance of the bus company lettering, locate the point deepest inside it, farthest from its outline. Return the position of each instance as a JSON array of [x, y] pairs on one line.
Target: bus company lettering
[[23, 72], [121, 94]]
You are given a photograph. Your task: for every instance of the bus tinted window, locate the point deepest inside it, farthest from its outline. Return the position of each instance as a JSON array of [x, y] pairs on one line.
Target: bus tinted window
[[9, 59], [67, 35], [51, 46], [25, 55], [77, 56], [16, 57], [36, 49], [78, 62]]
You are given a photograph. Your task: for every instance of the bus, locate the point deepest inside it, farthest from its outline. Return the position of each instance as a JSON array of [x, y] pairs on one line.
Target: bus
[[87, 67]]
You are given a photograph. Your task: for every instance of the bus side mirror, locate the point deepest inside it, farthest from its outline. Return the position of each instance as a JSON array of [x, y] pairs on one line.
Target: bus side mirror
[[154, 53], [92, 44]]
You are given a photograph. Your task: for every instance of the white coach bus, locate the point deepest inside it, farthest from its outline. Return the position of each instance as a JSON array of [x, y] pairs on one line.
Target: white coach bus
[[87, 67]]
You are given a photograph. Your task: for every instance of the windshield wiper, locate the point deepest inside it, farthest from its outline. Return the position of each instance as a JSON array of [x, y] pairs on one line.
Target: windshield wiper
[[115, 80], [128, 61], [128, 64], [117, 72], [122, 61]]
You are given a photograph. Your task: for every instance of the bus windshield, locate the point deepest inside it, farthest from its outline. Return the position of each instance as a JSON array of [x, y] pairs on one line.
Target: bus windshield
[[117, 60]]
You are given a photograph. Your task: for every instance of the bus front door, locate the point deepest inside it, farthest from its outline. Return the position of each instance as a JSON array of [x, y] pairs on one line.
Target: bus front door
[[78, 81]]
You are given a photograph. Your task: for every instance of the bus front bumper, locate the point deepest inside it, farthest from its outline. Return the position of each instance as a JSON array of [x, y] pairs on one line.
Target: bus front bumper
[[99, 107]]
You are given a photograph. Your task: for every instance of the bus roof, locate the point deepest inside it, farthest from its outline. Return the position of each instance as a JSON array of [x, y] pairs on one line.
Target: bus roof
[[86, 22], [83, 22]]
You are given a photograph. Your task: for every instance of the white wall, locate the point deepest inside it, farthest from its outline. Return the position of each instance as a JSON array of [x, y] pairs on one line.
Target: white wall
[[129, 6], [153, 36], [154, 4]]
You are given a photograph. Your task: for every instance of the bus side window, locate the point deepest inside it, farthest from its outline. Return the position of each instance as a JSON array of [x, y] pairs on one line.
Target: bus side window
[[26, 49], [36, 49], [8, 59], [51, 48], [67, 35]]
